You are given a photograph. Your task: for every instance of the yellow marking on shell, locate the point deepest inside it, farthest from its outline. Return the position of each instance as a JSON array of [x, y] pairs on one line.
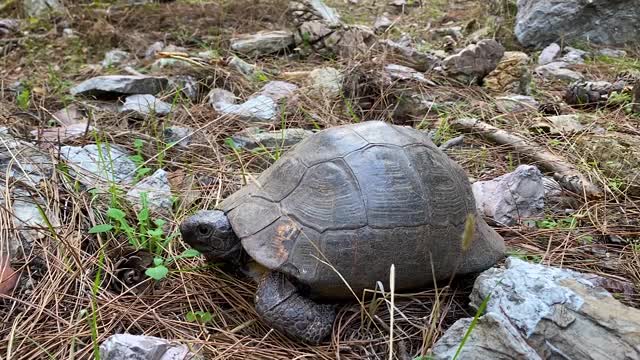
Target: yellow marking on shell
[[285, 231]]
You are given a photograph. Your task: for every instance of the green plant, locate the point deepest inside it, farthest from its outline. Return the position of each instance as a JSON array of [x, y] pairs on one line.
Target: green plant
[[472, 326], [138, 159], [524, 256], [201, 317], [619, 98], [147, 234], [24, 99], [564, 223]]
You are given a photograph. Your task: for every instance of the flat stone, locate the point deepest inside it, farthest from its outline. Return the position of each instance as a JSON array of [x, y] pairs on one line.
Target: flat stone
[[181, 136], [512, 197], [117, 85], [158, 193], [540, 22], [143, 106], [301, 11], [326, 82], [590, 93], [9, 26], [170, 63], [549, 54], [242, 66], [382, 24], [399, 72], [614, 53], [95, 165], [126, 346], [263, 43], [516, 103], [187, 85], [558, 71], [251, 139], [574, 56], [562, 124], [153, 49], [409, 56], [511, 75], [474, 62]]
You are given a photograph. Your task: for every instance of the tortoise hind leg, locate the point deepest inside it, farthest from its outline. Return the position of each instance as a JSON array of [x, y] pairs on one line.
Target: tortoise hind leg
[[281, 306]]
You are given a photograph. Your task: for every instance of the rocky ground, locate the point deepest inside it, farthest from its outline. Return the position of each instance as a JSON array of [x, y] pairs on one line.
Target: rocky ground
[[119, 119]]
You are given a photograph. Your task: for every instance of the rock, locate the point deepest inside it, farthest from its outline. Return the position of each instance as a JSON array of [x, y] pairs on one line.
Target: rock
[[560, 313], [636, 98], [242, 66], [301, 11], [181, 136], [153, 49], [22, 162], [187, 85], [588, 93], [91, 166], [9, 26], [474, 62], [126, 346], [158, 193], [263, 42], [398, 72], [549, 54], [262, 106], [39, 8], [382, 24], [350, 41], [143, 106], [558, 71], [408, 56], [70, 115], [493, 337], [115, 57], [170, 63], [326, 82], [51, 137], [540, 22], [561, 124], [574, 56], [516, 103], [552, 188], [253, 138], [68, 33], [613, 53], [511, 75], [117, 85], [511, 197]]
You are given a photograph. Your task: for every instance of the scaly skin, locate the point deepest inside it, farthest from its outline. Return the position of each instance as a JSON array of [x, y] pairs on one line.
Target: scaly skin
[[283, 308]]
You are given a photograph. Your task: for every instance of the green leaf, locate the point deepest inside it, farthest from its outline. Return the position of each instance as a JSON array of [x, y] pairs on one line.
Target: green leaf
[[158, 261], [158, 272], [159, 222], [190, 316], [205, 317], [189, 253], [102, 228], [116, 214], [157, 233], [143, 215], [230, 143], [143, 171], [136, 158], [138, 144]]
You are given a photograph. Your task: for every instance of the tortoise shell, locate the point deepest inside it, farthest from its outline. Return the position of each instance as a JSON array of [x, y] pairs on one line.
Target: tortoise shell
[[347, 202]]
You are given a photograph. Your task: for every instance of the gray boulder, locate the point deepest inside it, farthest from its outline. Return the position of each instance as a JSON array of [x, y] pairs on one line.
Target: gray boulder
[[574, 56], [263, 42], [511, 197], [117, 85], [474, 62], [96, 165], [157, 190], [541, 22], [326, 82], [143, 106], [540, 312], [263, 106], [137, 347], [614, 53]]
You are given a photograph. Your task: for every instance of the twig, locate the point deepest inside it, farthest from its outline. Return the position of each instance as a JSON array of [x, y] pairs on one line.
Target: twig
[[565, 173], [456, 141]]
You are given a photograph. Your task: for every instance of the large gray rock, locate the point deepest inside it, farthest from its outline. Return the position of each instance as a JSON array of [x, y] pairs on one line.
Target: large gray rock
[[326, 82], [408, 56], [511, 197], [117, 85], [263, 106], [474, 62], [137, 347], [263, 42], [541, 22], [557, 313], [557, 70], [549, 54], [95, 165], [38, 8]]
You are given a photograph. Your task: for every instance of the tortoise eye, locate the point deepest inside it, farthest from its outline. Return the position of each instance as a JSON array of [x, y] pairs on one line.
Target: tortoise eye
[[203, 229]]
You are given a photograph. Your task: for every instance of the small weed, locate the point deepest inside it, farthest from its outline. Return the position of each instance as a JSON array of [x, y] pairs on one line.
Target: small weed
[[138, 159], [260, 77], [201, 317], [619, 99], [23, 99], [565, 223]]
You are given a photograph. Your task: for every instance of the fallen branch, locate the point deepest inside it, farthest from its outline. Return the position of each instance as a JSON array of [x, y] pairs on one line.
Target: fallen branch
[[566, 174], [456, 141]]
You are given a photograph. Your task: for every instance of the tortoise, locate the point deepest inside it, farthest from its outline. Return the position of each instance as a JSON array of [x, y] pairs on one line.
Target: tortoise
[[340, 207]]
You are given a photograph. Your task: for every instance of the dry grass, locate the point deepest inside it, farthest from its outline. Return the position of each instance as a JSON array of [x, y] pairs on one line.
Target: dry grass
[[51, 312]]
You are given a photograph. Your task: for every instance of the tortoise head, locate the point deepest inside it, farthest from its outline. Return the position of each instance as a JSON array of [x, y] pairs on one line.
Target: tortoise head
[[210, 232]]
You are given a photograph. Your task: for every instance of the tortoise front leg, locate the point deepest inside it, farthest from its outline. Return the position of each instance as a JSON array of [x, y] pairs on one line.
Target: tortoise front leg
[[283, 308]]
